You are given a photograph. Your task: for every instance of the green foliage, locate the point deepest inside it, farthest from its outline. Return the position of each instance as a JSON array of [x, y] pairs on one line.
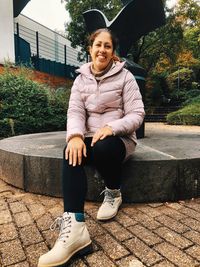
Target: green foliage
[[193, 98], [165, 41], [27, 106], [192, 40], [188, 115], [181, 79]]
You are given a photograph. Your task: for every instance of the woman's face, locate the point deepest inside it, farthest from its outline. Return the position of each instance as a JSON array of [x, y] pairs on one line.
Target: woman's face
[[101, 51]]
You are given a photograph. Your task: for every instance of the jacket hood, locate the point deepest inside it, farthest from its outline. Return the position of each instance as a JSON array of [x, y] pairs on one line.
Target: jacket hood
[[85, 69]]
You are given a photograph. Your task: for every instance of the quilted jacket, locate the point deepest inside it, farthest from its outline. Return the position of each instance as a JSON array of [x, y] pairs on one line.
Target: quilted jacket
[[115, 100]]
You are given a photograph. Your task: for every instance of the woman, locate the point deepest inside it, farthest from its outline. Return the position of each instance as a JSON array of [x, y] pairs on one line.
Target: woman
[[105, 109]]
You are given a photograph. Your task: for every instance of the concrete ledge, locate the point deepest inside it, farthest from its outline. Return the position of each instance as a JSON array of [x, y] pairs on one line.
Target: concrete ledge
[[34, 163]]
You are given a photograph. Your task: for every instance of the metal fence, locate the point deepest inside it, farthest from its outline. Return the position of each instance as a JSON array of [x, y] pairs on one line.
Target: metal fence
[[44, 51]]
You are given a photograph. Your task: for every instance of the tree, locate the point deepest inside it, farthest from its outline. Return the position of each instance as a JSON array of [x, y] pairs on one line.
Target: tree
[[76, 28]]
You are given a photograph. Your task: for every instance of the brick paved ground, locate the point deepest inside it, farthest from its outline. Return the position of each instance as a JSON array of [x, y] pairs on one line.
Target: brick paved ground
[[159, 234]]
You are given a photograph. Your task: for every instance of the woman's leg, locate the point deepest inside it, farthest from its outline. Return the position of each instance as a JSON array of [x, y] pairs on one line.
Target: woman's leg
[[74, 182], [108, 156], [73, 237]]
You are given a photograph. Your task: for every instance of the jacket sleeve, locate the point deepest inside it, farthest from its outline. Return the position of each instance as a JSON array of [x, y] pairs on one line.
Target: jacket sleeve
[[133, 108], [76, 114]]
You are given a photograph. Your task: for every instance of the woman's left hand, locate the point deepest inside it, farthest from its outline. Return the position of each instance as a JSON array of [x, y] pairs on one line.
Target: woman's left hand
[[101, 134]]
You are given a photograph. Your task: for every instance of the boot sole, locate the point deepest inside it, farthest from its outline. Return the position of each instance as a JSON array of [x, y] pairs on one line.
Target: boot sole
[[79, 252]]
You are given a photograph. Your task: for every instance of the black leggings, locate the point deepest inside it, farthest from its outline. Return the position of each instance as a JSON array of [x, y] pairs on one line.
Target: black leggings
[[107, 156]]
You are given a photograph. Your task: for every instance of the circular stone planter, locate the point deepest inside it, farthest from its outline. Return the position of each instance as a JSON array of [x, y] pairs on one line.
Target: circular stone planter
[[34, 163]]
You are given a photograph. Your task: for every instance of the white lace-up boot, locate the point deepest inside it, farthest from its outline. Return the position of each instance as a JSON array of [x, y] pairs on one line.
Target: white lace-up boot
[[112, 201], [73, 239]]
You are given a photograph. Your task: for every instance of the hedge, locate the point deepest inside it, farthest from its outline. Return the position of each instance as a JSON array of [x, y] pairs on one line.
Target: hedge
[[188, 115]]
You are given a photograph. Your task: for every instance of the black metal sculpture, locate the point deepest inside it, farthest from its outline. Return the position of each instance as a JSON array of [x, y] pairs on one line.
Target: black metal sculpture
[[137, 18]]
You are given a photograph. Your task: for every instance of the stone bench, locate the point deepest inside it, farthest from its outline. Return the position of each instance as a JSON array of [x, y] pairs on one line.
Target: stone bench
[[34, 163]]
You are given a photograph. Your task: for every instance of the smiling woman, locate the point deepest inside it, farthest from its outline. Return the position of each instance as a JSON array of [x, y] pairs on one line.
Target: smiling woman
[[105, 110]]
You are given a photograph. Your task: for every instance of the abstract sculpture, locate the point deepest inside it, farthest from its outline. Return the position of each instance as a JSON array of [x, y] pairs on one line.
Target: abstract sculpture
[[137, 18]]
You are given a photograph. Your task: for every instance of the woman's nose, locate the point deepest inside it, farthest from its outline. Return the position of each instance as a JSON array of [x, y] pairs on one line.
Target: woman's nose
[[102, 48]]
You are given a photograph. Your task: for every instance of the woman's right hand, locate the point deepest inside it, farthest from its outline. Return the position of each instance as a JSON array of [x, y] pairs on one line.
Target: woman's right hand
[[75, 150]]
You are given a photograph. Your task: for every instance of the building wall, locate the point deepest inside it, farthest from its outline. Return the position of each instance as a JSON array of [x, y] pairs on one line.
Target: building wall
[[51, 41], [6, 31]]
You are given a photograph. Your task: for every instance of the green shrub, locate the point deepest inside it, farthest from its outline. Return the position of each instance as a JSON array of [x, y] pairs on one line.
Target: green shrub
[[188, 115], [185, 76], [27, 106]]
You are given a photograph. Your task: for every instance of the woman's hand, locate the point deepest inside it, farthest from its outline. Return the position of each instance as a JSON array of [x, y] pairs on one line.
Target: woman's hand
[[75, 150], [101, 134]]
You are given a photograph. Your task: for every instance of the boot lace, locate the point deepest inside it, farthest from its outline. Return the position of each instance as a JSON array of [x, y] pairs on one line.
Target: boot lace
[[109, 197], [63, 224]]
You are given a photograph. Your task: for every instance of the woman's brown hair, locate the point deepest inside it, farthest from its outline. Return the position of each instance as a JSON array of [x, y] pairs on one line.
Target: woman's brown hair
[[93, 36]]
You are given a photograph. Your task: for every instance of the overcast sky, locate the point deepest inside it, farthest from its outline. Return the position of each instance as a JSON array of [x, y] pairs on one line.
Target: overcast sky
[[52, 13]]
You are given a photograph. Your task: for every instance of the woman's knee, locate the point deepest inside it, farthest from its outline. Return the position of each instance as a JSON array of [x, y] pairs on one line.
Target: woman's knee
[[109, 147]]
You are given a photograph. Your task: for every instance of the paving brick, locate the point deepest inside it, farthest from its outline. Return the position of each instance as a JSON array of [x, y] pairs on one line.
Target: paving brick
[[3, 205], [6, 194], [175, 255], [34, 252], [37, 210], [5, 216], [56, 211], [99, 259], [23, 219], [12, 252], [146, 235], [5, 188], [92, 212], [117, 230], [173, 238], [7, 232], [155, 205], [142, 218], [21, 264], [29, 198], [174, 205], [125, 262], [49, 201], [94, 228], [192, 223], [150, 211], [194, 251], [193, 205], [44, 222], [16, 196], [111, 247], [193, 236], [171, 213], [124, 219], [190, 213], [164, 264], [172, 224], [50, 237], [17, 207], [30, 235], [77, 263], [145, 254]]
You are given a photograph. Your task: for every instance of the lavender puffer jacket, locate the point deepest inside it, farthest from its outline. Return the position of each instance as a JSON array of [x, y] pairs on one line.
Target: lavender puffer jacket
[[115, 101]]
